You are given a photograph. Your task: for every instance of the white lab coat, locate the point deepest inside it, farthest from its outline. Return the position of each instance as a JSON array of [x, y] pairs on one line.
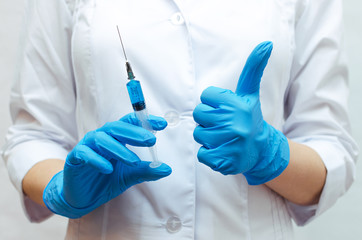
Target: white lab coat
[[72, 80]]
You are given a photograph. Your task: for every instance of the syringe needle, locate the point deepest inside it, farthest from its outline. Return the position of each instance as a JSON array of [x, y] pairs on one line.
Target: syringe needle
[[130, 74], [120, 38]]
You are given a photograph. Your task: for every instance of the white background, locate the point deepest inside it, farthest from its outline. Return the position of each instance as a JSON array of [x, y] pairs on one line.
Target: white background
[[343, 221]]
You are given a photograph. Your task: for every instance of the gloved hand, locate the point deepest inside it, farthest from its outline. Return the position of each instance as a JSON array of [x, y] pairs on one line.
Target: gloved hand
[[100, 167], [234, 136]]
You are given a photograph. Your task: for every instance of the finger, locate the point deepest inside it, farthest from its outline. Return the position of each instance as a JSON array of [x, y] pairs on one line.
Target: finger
[[213, 137], [249, 81], [217, 161], [206, 115], [108, 147], [82, 154], [212, 159], [143, 172], [215, 97], [130, 134], [157, 123]]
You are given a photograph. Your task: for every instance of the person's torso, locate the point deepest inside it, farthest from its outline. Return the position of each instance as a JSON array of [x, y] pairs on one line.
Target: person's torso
[[177, 49]]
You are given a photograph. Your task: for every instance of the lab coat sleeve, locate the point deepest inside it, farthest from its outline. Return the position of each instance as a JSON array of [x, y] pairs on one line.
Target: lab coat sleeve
[[42, 97], [316, 101]]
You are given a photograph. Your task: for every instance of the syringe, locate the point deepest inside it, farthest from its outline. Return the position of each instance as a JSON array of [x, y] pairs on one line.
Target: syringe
[[139, 106]]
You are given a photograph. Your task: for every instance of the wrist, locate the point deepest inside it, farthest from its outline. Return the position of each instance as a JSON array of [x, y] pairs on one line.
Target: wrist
[[55, 202], [274, 158]]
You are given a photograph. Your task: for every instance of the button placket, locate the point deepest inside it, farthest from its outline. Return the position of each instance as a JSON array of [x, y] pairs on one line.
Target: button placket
[[174, 225]]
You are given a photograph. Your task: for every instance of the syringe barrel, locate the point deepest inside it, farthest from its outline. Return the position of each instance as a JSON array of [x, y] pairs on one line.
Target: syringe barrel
[[139, 107], [142, 116]]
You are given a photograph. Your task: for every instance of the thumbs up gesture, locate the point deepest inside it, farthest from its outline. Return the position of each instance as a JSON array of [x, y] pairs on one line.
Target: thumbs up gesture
[[233, 134]]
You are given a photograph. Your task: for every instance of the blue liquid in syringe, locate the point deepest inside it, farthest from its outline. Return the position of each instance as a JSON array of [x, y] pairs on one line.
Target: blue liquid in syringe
[[136, 95]]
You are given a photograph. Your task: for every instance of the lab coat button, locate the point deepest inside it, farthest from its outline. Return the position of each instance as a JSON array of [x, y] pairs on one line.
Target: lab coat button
[[172, 118], [173, 225], [177, 19]]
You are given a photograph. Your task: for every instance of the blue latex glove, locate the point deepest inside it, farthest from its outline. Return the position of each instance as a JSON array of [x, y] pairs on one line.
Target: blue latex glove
[[234, 136], [100, 167]]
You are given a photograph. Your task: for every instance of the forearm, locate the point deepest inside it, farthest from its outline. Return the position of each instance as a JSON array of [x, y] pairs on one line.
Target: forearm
[[39, 176], [303, 180]]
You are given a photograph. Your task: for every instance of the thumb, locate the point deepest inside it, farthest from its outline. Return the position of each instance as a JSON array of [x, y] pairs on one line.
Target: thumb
[[249, 80], [143, 172]]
